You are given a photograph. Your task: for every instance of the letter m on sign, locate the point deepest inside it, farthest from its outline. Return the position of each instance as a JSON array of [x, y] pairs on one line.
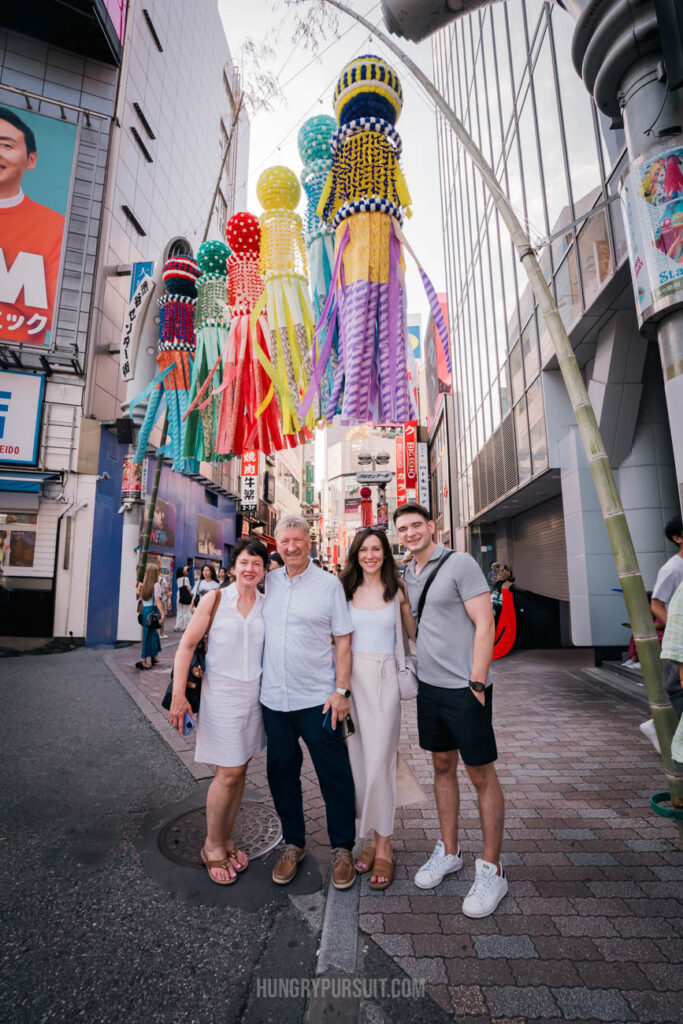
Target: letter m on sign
[[27, 272]]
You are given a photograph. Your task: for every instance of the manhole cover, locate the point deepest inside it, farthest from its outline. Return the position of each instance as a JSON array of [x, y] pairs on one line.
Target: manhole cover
[[256, 831]]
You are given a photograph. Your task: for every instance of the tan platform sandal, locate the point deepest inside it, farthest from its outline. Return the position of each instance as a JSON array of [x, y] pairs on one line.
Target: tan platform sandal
[[367, 857], [383, 869]]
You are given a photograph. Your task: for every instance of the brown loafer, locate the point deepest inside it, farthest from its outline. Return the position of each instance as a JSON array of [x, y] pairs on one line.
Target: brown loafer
[[343, 871], [286, 867]]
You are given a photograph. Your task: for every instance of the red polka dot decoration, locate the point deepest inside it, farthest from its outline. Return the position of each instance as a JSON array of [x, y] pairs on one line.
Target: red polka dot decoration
[[180, 276], [243, 233]]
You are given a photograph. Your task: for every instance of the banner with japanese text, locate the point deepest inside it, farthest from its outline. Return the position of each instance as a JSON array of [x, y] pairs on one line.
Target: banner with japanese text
[[36, 159], [400, 471], [410, 444]]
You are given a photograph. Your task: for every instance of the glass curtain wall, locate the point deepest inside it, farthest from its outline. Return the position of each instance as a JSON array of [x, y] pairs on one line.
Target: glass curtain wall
[[507, 73]]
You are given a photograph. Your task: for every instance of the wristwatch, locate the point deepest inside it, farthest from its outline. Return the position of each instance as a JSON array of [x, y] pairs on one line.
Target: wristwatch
[[478, 687], [344, 693]]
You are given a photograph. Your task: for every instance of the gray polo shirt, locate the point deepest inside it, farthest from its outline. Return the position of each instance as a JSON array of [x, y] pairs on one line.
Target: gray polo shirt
[[445, 639]]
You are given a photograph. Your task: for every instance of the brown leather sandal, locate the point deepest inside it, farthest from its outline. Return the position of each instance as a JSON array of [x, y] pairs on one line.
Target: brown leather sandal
[[366, 856], [233, 855], [383, 869], [225, 864]]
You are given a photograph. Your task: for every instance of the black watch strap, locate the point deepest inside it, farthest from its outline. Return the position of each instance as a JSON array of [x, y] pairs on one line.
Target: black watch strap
[[479, 687]]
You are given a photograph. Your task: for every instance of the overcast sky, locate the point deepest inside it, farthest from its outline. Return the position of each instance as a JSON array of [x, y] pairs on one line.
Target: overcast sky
[[274, 132]]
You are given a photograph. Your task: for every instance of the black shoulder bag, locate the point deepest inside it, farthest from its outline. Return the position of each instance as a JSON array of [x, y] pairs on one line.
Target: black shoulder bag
[[195, 673], [430, 579]]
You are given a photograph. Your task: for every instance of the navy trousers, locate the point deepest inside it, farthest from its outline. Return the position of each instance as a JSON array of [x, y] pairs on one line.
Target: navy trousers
[[284, 730]]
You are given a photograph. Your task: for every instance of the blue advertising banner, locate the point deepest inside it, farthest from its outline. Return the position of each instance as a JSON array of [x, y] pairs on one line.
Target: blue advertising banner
[[36, 159], [21, 406]]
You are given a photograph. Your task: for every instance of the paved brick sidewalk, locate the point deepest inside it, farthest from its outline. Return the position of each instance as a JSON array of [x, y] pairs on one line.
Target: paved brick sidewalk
[[592, 927]]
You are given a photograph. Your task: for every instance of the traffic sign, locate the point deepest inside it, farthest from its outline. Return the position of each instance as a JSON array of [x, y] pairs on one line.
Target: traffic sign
[[374, 478]]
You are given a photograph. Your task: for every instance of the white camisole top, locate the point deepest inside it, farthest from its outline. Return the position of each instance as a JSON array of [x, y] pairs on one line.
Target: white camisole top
[[374, 632]]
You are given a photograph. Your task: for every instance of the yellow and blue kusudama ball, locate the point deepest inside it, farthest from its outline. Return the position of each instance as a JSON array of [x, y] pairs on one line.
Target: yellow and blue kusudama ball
[[212, 257], [278, 188], [314, 138], [368, 87]]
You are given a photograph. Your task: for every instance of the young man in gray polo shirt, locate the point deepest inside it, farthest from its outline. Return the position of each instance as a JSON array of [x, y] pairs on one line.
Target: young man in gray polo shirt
[[454, 702]]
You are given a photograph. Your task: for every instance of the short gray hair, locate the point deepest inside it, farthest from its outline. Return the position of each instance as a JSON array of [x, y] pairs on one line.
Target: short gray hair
[[292, 522]]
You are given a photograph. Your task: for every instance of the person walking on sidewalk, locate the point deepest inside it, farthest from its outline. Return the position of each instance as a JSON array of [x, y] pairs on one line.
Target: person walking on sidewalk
[[669, 578], [148, 594], [229, 723], [379, 609], [454, 701], [183, 599], [306, 671]]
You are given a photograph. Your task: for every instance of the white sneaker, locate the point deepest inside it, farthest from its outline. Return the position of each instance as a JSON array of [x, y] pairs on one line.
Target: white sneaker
[[437, 867], [648, 729], [487, 891], [630, 664]]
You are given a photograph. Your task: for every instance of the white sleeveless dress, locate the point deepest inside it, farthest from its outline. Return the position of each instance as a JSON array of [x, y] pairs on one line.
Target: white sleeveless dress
[[383, 779], [230, 724]]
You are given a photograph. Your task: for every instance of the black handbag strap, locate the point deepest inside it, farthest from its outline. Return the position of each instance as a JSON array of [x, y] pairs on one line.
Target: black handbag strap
[[423, 596]]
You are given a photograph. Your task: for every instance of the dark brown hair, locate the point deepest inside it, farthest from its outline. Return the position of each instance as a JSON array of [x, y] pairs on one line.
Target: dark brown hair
[[414, 508], [252, 547], [351, 575]]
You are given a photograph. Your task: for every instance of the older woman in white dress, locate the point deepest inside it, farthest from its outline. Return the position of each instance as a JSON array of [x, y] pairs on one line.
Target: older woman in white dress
[[382, 778], [229, 724]]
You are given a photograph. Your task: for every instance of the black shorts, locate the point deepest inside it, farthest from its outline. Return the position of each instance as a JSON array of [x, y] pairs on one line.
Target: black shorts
[[455, 720]]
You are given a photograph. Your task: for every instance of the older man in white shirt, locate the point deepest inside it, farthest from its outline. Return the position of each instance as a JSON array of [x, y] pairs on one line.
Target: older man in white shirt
[[306, 672]]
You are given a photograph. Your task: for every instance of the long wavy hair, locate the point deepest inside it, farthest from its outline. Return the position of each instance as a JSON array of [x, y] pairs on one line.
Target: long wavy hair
[[351, 575], [151, 577]]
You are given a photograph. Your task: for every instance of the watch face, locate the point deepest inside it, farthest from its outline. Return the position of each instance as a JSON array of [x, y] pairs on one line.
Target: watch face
[[479, 687]]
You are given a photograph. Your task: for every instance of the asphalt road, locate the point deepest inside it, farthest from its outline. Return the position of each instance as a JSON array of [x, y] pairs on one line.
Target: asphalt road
[[96, 924]]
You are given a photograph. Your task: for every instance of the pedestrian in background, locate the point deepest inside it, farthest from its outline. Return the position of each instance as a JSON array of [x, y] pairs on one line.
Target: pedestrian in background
[[148, 594], [183, 599], [275, 561], [669, 579], [306, 670], [229, 724], [222, 576], [377, 603], [454, 701], [206, 582], [165, 601]]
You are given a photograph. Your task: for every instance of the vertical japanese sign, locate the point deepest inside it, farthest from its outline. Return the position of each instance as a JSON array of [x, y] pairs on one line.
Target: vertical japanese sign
[[249, 481], [423, 474], [410, 435], [400, 472], [35, 180], [134, 320]]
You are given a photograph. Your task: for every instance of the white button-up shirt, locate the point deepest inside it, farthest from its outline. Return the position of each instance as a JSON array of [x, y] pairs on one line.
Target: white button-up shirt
[[235, 644], [301, 616]]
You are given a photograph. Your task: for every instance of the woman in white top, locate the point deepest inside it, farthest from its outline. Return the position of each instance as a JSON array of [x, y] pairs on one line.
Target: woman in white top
[[183, 590], [207, 581], [229, 724], [373, 590]]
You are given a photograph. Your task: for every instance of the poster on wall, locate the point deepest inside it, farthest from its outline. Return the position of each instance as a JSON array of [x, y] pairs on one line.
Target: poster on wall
[[131, 480], [17, 539], [209, 537], [35, 182], [652, 204], [163, 524]]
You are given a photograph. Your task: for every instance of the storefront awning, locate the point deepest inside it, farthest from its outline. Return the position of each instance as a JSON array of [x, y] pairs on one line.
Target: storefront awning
[[31, 482]]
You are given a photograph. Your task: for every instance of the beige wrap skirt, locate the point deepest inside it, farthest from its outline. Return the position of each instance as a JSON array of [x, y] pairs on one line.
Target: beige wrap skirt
[[383, 778]]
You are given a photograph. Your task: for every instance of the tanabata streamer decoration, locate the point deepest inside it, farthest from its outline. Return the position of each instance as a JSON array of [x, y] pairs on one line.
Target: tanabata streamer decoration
[[314, 141], [174, 359], [364, 200], [211, 324], [286, 299], [248, 418]]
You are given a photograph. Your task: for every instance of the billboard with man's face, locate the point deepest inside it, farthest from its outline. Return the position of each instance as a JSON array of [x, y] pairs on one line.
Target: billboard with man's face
[[36, 159]]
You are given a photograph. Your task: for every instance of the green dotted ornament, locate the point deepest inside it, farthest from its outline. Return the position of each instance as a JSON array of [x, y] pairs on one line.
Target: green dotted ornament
[[212, 257]]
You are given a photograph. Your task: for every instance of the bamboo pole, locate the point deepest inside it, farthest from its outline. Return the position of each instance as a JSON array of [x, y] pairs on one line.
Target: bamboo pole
[[142, 565], [635, 596]]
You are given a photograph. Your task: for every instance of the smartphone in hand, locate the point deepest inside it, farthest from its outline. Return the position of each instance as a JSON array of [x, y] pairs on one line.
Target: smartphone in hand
[[188, 724]]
